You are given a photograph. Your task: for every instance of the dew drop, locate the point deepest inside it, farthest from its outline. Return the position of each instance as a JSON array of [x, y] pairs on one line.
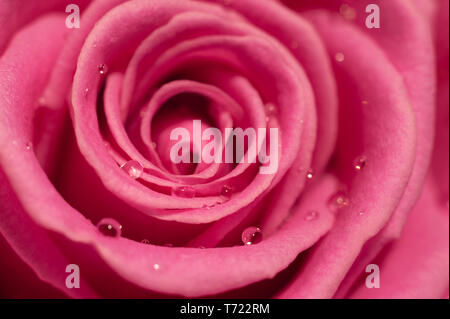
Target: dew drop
[[29, 146], [156, 266], [364, 102], [226, 192], [312, 215], [109, 227], [133, 168], [360, 163], [145, 241], [338, 201], [339, 57], [310, 174], [251, 235], [184, 191], [102, 69]]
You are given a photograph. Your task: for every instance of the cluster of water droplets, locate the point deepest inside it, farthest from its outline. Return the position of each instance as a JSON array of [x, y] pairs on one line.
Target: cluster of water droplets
[[340, 199], [251, 235], [112, 228]]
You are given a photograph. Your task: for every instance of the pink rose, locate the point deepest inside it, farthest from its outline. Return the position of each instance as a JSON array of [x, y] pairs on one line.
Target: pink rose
[[361, 186]]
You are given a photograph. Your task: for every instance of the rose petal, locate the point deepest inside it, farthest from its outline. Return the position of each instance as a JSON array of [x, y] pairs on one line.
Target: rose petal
[[374, 197]]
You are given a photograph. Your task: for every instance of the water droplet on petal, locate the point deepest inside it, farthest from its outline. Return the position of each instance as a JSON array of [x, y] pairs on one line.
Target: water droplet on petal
[[102, 69], [109, 227], [226, 192], [29, 145], [156, 266], [338, 201], [339, 57], [310, 174], [133, 168], [145, 241], [251, 235], [184, 191], [360, 163], [311, 216], [365, 102]]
